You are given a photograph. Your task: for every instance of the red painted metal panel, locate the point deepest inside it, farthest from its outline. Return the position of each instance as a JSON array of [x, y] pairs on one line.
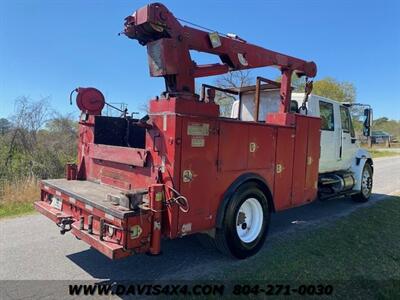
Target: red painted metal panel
[[167, 143], [122, 155], [111, 250], [120, 175], [300, 160], [313, 154], [182, 106], [139, 244], [233, 146], [156, 198], [283, 119], [261, 151], [198, 172], [284, 167], [52, 213]]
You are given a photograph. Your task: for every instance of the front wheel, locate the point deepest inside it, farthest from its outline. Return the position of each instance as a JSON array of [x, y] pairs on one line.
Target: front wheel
[[245, 223], [366, 184]]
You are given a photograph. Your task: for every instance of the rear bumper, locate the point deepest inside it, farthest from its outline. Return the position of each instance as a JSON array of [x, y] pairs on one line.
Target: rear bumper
[[108, 248], [52, 213], [114, 232]]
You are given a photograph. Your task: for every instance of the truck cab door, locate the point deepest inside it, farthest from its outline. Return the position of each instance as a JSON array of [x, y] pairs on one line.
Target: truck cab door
[[330, 137], [348, 139]]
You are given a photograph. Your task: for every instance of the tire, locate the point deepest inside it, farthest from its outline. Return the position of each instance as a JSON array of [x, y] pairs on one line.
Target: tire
[[237, 238], [366, 184]]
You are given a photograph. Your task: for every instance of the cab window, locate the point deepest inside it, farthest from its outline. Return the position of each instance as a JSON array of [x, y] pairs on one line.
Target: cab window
[[347, 125], [326, 113], [344, 119]]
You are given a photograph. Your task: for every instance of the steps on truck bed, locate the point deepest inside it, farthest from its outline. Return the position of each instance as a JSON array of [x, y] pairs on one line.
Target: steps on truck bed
[[90, 193]]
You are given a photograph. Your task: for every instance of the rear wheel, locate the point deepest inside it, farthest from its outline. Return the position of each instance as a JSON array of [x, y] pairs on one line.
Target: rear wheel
[[366, 184], [245, 223]]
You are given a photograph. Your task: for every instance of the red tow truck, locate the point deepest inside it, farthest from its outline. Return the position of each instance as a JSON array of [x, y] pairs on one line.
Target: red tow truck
[[183, 169]]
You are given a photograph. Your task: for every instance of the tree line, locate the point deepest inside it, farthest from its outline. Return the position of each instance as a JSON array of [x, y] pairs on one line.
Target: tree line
[[36, 141]]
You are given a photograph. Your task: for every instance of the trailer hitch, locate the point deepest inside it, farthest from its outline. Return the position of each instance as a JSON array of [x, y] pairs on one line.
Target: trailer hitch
[[65, 224]]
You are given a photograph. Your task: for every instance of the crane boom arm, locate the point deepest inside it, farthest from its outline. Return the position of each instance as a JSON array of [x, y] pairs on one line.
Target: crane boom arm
[[169, 44]]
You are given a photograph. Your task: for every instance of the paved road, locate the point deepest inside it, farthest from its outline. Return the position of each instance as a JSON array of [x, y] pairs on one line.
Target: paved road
[[32, 248]]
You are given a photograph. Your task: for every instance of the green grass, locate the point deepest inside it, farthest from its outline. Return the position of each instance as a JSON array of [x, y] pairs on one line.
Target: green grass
[[17, 197], [359, 255], [15, 209], [382, 153]]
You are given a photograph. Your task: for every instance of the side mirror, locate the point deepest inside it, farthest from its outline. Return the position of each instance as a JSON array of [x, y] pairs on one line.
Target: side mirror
[[367, 122]]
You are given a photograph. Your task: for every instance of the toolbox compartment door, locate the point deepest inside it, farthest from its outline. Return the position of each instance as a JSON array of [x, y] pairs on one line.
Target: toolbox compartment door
[[284, 168], [198, 172], [233, 146]]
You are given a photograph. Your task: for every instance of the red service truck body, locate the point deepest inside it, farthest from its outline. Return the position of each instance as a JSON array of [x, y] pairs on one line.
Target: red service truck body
[[175, 173]]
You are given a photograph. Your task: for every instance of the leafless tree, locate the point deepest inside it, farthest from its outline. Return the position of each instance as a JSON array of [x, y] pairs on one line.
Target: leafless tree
[[28, 119], [236, 79]]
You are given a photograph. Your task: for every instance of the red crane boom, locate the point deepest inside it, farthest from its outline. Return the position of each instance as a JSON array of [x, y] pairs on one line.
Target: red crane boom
[[168, 45]]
